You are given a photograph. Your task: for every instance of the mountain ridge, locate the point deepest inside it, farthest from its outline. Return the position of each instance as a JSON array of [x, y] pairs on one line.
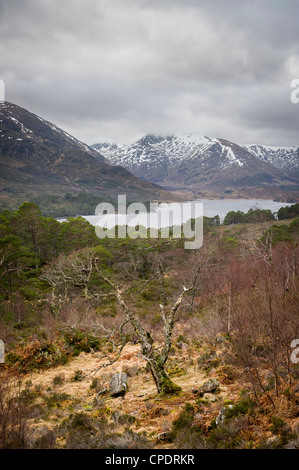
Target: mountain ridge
[[39, 159], [189, 161]]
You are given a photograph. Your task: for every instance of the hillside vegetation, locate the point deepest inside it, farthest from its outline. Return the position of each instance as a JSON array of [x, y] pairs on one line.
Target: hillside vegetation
[[63, 319]]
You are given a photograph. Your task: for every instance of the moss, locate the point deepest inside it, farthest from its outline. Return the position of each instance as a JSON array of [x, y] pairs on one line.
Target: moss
[[242, 407], [56, 399], [169, 387], [94, 384], [175, 370]]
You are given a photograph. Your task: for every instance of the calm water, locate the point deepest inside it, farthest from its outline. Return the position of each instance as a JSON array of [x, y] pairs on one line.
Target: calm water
[[222, 207], [162, 217]]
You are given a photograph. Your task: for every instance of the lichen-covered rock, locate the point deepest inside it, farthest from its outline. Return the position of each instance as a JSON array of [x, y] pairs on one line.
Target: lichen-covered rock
[[208, 387], [221, 417], [118, 384]]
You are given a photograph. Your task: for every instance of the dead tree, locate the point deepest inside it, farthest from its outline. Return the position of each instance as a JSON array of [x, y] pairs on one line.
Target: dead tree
[[156, 357]]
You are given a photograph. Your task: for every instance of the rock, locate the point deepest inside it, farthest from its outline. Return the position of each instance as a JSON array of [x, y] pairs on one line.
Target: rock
[[118, 385], [210, 397], [221, 417], [163, 437], [208, 387]]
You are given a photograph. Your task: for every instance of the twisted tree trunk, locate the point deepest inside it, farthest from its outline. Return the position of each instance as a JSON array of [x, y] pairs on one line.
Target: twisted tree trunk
[[156, 360]]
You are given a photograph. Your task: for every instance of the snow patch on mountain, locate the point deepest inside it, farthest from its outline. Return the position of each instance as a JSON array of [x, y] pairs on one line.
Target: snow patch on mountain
[[169, 150], [283, 158], [154, 150]]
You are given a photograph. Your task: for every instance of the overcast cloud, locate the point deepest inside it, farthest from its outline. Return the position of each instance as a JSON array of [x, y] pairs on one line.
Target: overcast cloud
[[114, 70]]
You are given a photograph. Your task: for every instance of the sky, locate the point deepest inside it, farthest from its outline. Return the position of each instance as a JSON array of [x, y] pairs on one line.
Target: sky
[[115, 70]]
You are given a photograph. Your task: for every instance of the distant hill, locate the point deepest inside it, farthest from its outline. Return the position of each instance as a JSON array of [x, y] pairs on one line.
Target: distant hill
[[283, 158], [199, 163], [41, 163]]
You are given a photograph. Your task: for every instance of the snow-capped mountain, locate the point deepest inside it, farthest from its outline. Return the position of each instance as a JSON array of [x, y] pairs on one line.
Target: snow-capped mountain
[[18, 124], [37, 159], [283, 158], [170, 149], [191, 161]]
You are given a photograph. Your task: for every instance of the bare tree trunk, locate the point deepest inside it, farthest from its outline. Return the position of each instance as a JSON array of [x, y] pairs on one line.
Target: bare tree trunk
[[163, 382], [229, 314], [154, 358]]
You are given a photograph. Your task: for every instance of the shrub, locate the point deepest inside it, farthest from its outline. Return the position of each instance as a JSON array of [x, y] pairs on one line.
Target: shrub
[[58, 380], [242, 407], [185, 434], [208, 360], [79, 341], [78, 377], [184, 420], [285, 433], [14, 415], [228, 436], [227, 374], [56, 399], [35, 355]]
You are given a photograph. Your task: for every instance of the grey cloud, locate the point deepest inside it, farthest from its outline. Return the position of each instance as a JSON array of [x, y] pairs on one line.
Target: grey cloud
[[116, 69]]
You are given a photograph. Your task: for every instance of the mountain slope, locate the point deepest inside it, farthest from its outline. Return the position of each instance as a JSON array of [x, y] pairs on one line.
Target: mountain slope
[[194, 162], [283, 158], [37, 158]]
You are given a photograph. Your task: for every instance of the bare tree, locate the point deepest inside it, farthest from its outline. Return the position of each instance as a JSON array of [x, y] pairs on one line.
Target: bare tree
[[156, 357], [68, 271], [75, 272]]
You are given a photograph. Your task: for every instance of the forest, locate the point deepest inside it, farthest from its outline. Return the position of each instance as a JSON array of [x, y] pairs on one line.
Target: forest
[[206, 338]]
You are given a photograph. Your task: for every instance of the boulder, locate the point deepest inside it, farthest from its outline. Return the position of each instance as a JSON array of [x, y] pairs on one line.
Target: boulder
[[221, 417], [208, 387], [118, 385]]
